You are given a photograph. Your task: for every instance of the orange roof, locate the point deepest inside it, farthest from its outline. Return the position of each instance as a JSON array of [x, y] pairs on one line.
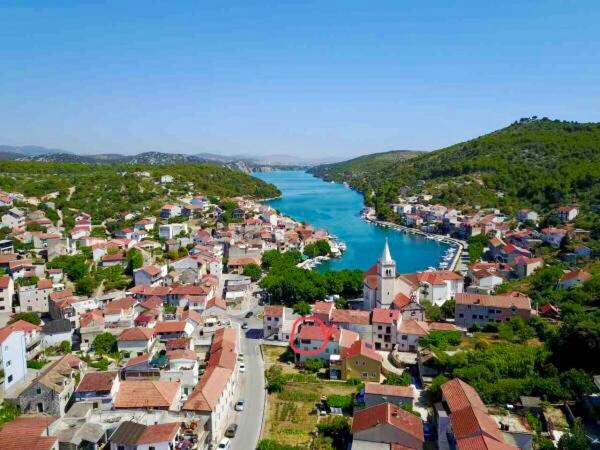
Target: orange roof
[[482, 443], [97, 382], [22, 325], [438, 276], [459, 395], [216, 302], [94, 316], [169, 327], [401, 300], [182, 354], [44, 283], [385, 316], [351, 316], [61, 294], [27, 432], [324, 308], [147, 394], [498, 301], [469, 422], [276, 311], [361, 348], [387, 413], [162, 432], [118, 305], [205, 395], [135, 334], [578, 274]]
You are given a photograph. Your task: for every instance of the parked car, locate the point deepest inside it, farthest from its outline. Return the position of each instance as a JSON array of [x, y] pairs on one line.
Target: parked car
[[231, 430], [245, 326], [242, 367], [249, 314], [239, 406], [225, 444]]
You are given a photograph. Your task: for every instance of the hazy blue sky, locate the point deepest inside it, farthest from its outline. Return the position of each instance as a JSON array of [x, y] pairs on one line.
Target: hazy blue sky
[[311, 78]]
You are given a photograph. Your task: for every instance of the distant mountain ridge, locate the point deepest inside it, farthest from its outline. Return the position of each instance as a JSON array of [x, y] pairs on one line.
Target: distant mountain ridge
[[39, 153]]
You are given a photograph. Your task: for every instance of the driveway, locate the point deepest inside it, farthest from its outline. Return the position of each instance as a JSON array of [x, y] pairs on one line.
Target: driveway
[[251, 389]]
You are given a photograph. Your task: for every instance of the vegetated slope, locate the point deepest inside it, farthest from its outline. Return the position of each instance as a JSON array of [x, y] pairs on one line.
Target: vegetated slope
[[356, 171], [106, 190], [538, 163]]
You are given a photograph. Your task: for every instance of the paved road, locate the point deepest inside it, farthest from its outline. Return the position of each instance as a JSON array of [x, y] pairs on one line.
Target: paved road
[[252, 387]]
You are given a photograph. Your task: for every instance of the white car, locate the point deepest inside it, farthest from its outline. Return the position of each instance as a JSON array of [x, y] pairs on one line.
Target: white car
[[225, 444], [242, 367], [239, 406]]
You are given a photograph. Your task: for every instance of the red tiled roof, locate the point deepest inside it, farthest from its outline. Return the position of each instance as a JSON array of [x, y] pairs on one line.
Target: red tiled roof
[[387, 413], [276, 311], [119, 305], [4, 281], [438, 276], [27, 433], [351, 316], [135, 334], [162, 432], [218, 302], [151, 270], [178, 344], [182, 354], [414, 327], [361, 348], [482, 443], [205, 395], [169, 327], [576, 274], [469, 422], [459, 395], [44, 284], [380, 315], [61, 294], [323, 308], [498, 301], [22, 325], [400, 301], [146, 394]]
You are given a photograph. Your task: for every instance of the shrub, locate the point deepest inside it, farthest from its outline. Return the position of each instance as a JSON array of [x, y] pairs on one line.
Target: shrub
[[340, 401], [313, 364], [398, 380]]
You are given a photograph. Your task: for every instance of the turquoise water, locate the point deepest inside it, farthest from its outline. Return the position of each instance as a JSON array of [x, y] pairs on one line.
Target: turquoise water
[[337, 209]]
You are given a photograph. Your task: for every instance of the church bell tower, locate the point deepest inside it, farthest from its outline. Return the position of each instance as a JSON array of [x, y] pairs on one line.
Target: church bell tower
[[386, 278]]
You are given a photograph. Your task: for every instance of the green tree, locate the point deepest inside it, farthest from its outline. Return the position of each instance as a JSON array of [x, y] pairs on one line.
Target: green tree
[[313, 364], [575, 440], [398, 380], [135, 260], [104, 343], [302, 308], [30, 317], [64, 347], [85, 286], [253, 271], [337, 428]]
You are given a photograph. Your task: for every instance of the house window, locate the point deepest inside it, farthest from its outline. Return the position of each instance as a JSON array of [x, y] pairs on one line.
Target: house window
[[38, 391], [461, 315], [9, 379], [404, 337], [365, 375], [120, 447], [8, 363], [40, 407], [151, 447]]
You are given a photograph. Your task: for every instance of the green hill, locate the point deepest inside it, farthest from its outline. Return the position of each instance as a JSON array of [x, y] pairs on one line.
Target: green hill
[[355, 170], [538, 163], [105, 190]]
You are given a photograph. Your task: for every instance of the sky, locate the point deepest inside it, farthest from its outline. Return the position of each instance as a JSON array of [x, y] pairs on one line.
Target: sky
[[306, 78]]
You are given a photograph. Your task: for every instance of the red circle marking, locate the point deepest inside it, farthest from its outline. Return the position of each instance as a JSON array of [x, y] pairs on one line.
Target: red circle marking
[[325, 332]]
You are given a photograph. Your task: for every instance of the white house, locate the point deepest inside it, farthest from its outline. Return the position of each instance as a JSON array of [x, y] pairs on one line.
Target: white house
[[172, 230], [99, 388], [439, 286], [14, 218], [13, 356], [150, 275], [136, 341], [527, 214]]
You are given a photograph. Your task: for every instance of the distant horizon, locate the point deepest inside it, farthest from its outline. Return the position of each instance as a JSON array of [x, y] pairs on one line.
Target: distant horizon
[[338, 79]]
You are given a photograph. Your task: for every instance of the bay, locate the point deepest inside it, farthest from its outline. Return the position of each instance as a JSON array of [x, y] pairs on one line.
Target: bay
[[337, 208]]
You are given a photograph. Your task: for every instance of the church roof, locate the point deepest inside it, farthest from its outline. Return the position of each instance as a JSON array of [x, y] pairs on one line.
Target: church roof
[[386, 257]]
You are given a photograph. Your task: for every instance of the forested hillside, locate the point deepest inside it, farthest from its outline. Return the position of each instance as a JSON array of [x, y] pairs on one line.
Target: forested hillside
[[105, 190], [357, 169], [537, 163]]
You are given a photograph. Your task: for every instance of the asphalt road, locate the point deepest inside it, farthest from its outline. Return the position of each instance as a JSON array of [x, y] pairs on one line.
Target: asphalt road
[[252, 387]]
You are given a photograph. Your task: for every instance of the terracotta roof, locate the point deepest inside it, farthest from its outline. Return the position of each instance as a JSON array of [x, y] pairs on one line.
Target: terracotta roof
[[401, 300], [390, 316], [5, 281], [459, 395], [137, 360], [389, 390], [387, 413], [113, 257], [7, 257], [217, 302], [351, 316], [323, 308], [205, 395], [187, 289], [5, 333], [162, 432], [498, 301], [23, 325], [361, 348], [438, 276], [135, 334], [151, 303], [276, 311], [60, 294], [44, 283], [146, 394], [151, 270], [441, 326], [178, 344], [94, 316], [469, 422], [182, 354], [27, 433], [578, 274], [175, 326], [482, 443], [414, 327], [97, 382], [118, 305]]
